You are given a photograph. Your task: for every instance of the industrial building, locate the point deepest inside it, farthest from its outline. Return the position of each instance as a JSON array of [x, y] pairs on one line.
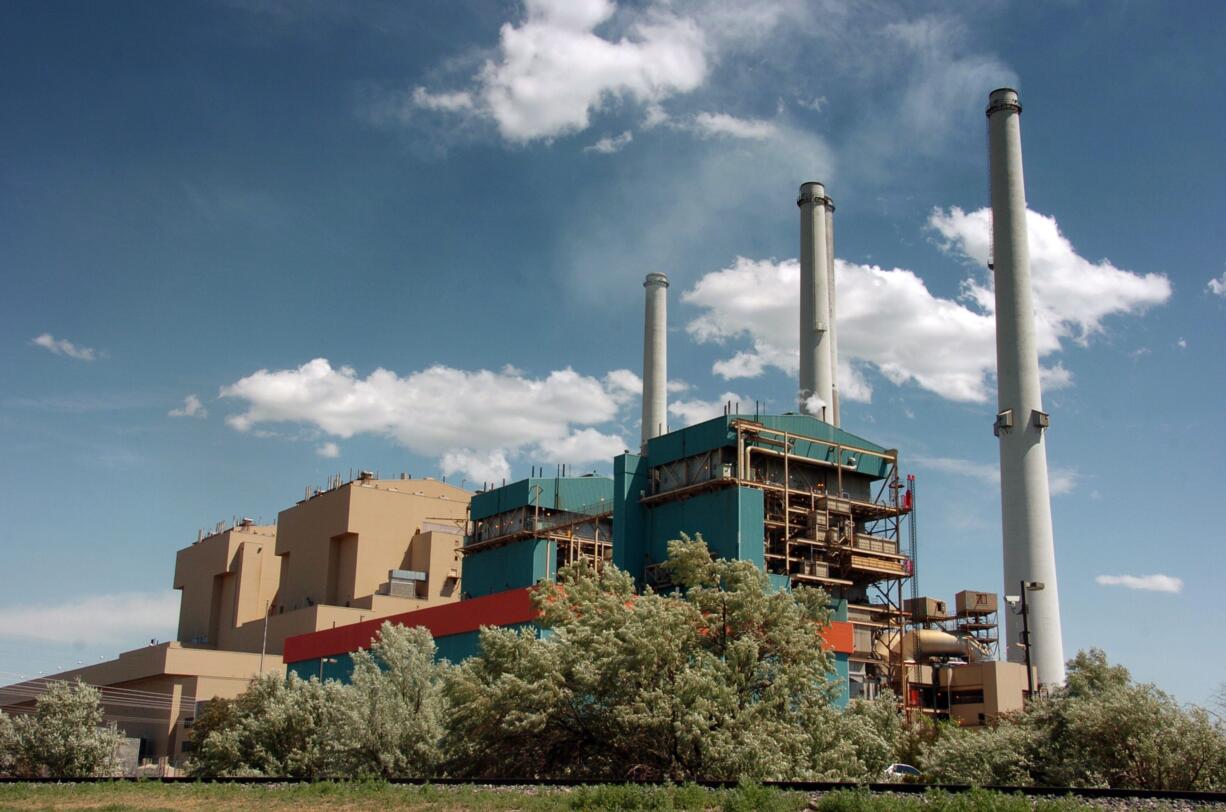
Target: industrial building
[[794, 493], [344, 553], [808, 502]]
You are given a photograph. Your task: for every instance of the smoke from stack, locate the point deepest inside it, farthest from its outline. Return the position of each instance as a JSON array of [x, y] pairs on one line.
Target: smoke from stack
[[817, 394], [655, 357], [1021, 423]]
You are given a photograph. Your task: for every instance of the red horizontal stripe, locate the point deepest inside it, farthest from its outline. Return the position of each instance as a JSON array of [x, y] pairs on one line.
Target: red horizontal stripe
[[499, 609]]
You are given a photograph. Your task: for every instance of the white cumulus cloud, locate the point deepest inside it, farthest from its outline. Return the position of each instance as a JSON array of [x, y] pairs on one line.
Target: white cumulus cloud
[[473, 421], [1218, 286], [696, 410], [480, 466], [553, 70], [192, 407], [889, 320], [1147, 583], [583, 445], [1072, 294], [62, 346], [119, 619], [329, 451]]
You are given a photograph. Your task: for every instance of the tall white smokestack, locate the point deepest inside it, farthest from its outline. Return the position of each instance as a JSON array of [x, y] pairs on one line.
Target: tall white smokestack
[[834, 328], [1021, 422], [816, 377], [655, 357]]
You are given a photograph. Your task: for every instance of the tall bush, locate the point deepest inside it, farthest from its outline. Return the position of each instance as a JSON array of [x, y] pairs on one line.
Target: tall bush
[[65, 737], [717, 680]]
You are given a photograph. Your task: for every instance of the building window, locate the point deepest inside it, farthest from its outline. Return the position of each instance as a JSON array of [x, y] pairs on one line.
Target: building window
[[967, 697]]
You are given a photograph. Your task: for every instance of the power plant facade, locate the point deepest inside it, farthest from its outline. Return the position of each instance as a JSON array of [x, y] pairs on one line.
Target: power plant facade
[[809, 503]]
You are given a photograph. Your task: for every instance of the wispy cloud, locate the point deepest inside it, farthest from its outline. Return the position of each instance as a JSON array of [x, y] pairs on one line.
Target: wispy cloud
[[723, 124], [62, 346], [1147, 583], [192, 407], [1060, 481], [447, 102], [610, 144], [329, 451], [118, 619]]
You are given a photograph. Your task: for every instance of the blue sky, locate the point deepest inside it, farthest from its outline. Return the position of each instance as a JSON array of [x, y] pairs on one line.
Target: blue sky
[[246, 245]]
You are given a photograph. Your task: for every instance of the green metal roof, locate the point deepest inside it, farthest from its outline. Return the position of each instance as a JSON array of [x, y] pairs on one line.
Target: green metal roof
[[718, 432], [578, 493]]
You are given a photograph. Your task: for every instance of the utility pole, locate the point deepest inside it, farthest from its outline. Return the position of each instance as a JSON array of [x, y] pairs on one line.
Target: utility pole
[[264, 640]]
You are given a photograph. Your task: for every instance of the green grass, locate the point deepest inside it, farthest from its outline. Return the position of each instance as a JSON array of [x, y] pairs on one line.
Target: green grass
[[380, 797]]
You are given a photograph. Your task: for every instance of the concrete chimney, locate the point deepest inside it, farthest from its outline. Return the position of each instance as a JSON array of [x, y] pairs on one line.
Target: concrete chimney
[[834, 328], [1021, 423], [655, 357], [816, 377]]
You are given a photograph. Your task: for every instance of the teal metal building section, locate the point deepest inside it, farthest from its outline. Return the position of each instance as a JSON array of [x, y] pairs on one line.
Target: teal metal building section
[[729, 520], [510, 566], [719, 433], [573, 494], [522, 532], [630, 484]]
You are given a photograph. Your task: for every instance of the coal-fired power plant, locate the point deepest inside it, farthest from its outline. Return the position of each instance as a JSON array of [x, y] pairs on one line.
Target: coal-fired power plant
[[805, 502], [817, 360], [655, 357], [1021, 423]]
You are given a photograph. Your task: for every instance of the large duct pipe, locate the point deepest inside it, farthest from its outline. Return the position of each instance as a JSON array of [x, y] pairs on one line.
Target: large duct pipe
[[655, 357], [834, 327], [1029, 551], [816, 380]]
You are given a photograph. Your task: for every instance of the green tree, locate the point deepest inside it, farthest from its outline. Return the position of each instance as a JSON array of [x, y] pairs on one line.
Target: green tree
[[999, 755], [1131, 735], [284, 727], [1101, 729], [65, 737], [1089, 675], [215, 714], [858, 743], [716, 680], [394, 713], [8, 745]]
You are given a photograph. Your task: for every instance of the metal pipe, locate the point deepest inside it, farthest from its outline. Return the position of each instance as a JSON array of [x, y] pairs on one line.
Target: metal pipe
[[816, 394], [1029, 549], [1026, 643], [655, 358]]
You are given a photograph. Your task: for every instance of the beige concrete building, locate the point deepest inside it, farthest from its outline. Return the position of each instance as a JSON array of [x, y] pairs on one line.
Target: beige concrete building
[[152, 693], [363, 549], [355, 551]]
